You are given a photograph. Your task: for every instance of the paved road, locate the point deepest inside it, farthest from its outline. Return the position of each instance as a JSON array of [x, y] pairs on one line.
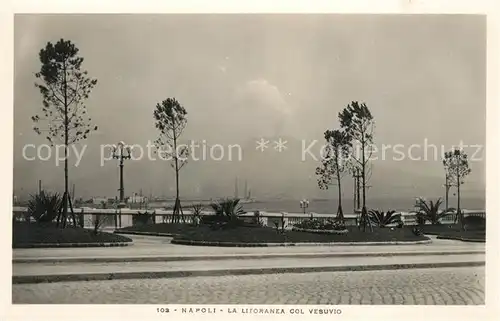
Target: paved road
[[158, 246], [206, 265], [451, 286]]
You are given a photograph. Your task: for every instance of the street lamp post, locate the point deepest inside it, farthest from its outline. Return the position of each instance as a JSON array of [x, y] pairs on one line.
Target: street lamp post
[[119, 153], [304, 204]]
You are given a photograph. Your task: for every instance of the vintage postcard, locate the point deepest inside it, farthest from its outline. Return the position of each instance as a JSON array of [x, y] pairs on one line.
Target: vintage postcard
[[316, 164]]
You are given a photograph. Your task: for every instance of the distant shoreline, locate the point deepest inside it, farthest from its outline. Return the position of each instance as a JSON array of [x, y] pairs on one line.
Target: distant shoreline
[[327, 206]]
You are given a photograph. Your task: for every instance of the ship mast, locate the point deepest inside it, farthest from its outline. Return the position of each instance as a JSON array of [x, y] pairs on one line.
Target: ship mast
[[236, 188]]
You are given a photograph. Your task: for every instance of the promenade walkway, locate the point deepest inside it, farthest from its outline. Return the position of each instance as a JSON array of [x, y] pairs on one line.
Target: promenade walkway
[[155, 257], [159, 247]]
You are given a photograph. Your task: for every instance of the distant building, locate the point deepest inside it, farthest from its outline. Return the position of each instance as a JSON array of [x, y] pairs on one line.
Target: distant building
[[99, 200], [137, 199]]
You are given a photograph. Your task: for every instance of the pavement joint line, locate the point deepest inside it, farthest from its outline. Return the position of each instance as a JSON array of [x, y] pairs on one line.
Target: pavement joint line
[[232, 257], [33, 279]]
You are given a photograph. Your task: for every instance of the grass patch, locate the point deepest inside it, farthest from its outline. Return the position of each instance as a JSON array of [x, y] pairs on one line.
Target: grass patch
[[454, 231], [269, 235], [168, 228], [479, 236], [47, 233]]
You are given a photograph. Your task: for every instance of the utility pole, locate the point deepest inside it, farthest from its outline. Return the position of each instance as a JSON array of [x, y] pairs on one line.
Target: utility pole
[[236, 188], [39, 186]]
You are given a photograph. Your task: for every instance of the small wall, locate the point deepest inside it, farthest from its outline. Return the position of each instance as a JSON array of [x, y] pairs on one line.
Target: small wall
[[124, 216]]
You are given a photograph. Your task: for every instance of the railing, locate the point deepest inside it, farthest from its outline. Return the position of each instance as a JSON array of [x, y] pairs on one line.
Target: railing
[[124, 217]]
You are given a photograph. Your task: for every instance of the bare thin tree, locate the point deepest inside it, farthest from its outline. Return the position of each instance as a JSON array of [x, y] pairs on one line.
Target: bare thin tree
[[357, 121], [171, 119], [334, 164], [456, 165], [64, 87]]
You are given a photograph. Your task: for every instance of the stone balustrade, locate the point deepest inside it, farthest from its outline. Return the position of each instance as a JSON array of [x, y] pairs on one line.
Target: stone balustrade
[[125, 216]]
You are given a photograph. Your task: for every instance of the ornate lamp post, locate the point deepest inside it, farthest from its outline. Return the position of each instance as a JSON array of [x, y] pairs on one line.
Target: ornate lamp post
[[304, 204], [121, 152]]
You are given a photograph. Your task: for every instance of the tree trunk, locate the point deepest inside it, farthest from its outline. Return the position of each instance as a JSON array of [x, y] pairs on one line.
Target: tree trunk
[[447, 186], [73, 216], [459, 214], [176, 212], [340, 213], [66, 138], [358, 200], [364, 211], [363, 187], [65, 197]]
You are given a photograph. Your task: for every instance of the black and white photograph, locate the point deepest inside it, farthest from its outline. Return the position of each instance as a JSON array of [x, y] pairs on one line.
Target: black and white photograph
[[276, 161]]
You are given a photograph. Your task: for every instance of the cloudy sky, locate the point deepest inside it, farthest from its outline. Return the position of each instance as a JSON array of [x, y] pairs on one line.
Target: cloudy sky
[[244, 77]]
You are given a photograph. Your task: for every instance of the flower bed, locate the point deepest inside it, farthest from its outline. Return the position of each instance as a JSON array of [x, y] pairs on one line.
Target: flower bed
[[323, 227], [320, 231]]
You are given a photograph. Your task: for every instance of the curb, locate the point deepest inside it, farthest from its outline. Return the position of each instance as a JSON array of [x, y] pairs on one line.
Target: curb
[[457, 238], [234, 257], [31, 279], [145, 233], [66, 245], [233, 244]]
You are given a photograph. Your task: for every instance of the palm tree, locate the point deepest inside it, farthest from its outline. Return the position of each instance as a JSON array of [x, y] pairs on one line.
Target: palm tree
[[44, 207], [382, 219], [229, 208], [430, 211]]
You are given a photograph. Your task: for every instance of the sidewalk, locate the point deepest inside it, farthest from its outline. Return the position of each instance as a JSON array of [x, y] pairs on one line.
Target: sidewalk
[[155, 257]]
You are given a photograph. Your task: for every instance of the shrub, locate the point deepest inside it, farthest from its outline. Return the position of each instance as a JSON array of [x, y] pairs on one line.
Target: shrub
[[417, 231], [143, 218], [316, 224], [257, 219], [311, 224], [44, 207], [196, 218], [211, 219], [474, 221], [430, 211], [420, 217], [281, 225], [80, 219], [98, 221], [227, 212], [382, 219], [228, 207]]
